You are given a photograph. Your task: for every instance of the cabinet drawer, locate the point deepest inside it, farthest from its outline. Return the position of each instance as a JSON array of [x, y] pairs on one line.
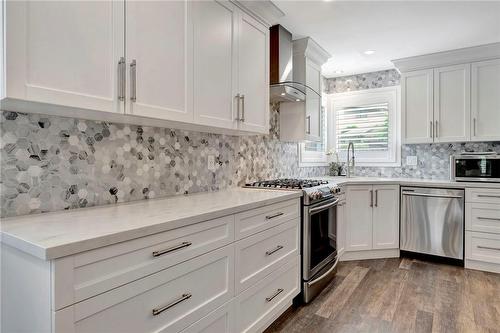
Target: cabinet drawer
[[259, 255], [167, 301], [482, 247], [87, 274], [256, 220], [482, 217], [263, 301], [482, 195], [220, 320]]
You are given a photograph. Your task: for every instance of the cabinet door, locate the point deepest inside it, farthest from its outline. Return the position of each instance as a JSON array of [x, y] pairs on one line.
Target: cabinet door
[[485, 100], [386, 217], [452, 103], [341, 228], [158, 39], [253, 75], [417, 108], [65, 52], [358, 217], [214, 69], [313, 101]]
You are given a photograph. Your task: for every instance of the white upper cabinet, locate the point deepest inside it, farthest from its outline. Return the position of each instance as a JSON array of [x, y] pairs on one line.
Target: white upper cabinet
[[253, 75], [65, 52], [485, 105], [158, 49], [452, 103], [313, 101], [417, 109], [215, 60]]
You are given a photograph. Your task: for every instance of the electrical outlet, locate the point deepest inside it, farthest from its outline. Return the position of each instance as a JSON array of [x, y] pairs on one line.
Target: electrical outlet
[[411, 160], [211, 162]]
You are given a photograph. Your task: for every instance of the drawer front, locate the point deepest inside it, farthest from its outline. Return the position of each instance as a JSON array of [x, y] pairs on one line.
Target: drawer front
[[220, 320], [260, 254], [482, 217], [167, 301], [482, 247], [93, 272], [256, 220], [482, 195], [263, 301]]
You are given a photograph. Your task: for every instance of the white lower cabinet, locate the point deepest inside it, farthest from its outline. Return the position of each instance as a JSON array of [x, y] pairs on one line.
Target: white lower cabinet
[[204, 277], [482, 229], [371, 220]]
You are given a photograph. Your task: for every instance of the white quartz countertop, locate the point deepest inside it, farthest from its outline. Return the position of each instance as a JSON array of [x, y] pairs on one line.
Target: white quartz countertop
[[407, 182], [59, 234]]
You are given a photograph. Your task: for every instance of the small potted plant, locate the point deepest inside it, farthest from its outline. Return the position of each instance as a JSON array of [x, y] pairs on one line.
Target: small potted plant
[[335, 167]]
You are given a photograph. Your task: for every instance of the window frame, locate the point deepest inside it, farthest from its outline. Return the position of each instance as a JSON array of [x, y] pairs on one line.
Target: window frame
[[390, 95]]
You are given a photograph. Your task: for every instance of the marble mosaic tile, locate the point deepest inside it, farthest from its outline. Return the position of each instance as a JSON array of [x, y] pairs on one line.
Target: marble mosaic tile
[[53, 163], [371, 80]]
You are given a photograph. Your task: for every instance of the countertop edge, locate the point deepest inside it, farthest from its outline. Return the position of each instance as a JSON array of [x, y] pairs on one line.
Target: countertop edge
[[50, 253]]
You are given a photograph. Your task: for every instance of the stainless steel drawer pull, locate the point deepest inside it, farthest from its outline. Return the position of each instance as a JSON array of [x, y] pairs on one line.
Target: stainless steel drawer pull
[[488, 248], [159, 310], [412, 194], [488, 218], [276, 249], [268, 217], [171, 249], [270, 298], [487, 196]]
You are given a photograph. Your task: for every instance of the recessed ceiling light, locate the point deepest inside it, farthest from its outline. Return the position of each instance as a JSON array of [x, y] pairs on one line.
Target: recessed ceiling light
[[297, 100], [282, 94], [369, 52], [339, 71]]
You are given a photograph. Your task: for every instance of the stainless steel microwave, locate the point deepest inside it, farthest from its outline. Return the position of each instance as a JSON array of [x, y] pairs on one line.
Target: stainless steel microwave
[[475, 167]]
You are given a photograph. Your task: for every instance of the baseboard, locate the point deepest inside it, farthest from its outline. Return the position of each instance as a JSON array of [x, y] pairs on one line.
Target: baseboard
[[482, 266], [370, 254]]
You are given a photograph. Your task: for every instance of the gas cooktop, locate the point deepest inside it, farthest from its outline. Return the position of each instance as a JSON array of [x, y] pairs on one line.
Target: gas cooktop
[[314, 190]]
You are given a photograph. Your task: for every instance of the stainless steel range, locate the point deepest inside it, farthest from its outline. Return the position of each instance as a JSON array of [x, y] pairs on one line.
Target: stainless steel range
[[319, 230]]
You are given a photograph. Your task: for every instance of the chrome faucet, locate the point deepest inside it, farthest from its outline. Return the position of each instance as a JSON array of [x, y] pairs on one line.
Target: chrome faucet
[[349, 158]]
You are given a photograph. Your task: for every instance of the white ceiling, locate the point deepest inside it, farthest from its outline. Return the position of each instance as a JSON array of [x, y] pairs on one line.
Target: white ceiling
[[394, 29]]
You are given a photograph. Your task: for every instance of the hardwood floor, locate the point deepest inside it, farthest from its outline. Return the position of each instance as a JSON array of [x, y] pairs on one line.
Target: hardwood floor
[[400, 295]]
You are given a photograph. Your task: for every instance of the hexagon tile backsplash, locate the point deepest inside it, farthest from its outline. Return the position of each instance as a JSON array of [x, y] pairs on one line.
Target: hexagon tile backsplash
[[53, 163]]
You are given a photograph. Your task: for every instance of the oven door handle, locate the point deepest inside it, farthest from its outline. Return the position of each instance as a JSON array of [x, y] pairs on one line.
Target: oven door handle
[[326, 273], [320, 208]]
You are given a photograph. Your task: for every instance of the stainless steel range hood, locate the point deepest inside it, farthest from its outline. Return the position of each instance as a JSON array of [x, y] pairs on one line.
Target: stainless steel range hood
[[283, 88]]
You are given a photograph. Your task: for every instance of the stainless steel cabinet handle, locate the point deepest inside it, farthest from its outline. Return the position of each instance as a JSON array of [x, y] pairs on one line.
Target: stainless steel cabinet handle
[[488, 218], [171, 249], [488, 196], [308, 118], [182, 298], [242, 108], [133, 81], [413, 194], [376, 198], [276, 249], [268, 217], [474, 126], [431, 131], [270, 298], [371, 198], [488, 248], [121, 79], [437, 129], [238, 118]]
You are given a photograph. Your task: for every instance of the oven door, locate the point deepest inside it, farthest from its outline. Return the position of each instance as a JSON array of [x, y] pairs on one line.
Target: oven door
[[319, 237]]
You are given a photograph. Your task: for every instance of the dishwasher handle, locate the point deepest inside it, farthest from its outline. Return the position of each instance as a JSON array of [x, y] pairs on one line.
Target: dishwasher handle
[[416, 194]]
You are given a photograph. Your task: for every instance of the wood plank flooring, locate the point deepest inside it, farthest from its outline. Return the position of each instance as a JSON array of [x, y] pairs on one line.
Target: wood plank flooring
[[400, 295]]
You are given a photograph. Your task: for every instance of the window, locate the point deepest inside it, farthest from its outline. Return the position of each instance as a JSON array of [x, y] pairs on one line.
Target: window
[[314, 153], [370, 120]]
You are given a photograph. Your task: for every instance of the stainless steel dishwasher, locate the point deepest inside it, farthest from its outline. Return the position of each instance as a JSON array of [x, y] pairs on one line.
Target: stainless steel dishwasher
[[432, 221]]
